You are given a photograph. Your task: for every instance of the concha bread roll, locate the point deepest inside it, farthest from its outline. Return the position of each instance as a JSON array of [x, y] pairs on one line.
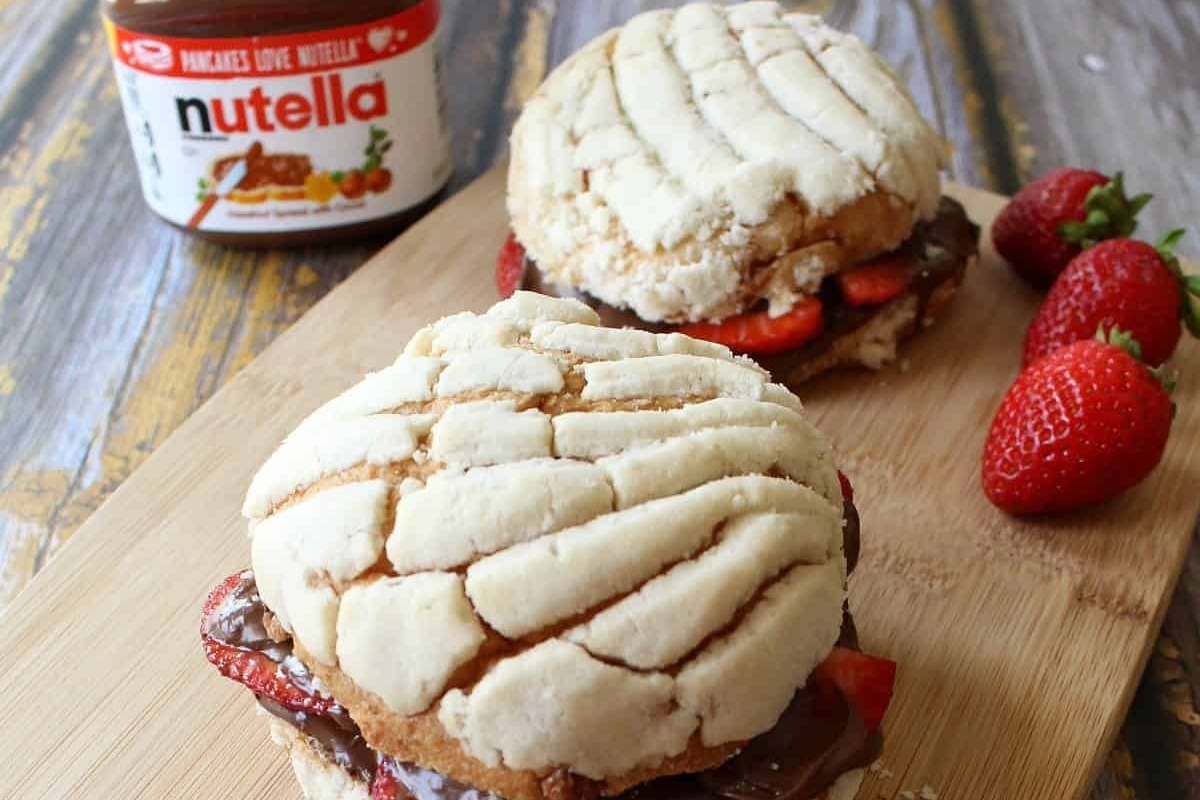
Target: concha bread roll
[[537, 549], [700, 159]]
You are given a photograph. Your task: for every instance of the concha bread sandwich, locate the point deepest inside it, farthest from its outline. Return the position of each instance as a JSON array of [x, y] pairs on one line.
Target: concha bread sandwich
[[540, 559], [754, 176]]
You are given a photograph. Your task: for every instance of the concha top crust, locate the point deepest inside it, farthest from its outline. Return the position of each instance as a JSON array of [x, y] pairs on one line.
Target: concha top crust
[[699, 159], [547, 545]]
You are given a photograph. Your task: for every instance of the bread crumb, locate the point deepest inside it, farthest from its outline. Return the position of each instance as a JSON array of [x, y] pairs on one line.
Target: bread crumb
[[881, 771], [927, 793], [905, 365]]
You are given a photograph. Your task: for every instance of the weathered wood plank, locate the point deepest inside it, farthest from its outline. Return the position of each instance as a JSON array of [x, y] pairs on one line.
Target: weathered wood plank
[[1106, 84]]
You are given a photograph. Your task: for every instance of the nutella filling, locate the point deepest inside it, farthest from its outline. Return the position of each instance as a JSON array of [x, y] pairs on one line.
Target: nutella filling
[[801, 756], [935, 254]]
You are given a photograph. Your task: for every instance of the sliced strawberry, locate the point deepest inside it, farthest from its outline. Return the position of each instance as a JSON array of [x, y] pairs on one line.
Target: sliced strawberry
[[510, 266], [217, 598], [387, 785], [874, 282], [865, 681], [761, 334], [847, 489], [251, 668]]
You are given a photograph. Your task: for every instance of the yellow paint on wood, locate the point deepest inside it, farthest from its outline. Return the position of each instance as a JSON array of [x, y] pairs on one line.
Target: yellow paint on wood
[[1019, 133], [181, 373], [1166, 647], [28, 500], [249, 298], [529, 61], [18, 558], [32, 496], [15, 194], [999, 54], [27, 187], [272, 305], [306, 276], [8, 383], [29, 170], [943, 19], [1120, 763], [35, 173], [1175, 695]]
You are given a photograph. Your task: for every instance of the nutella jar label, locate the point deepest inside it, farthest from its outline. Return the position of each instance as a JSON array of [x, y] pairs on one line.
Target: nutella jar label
[[285, 133]]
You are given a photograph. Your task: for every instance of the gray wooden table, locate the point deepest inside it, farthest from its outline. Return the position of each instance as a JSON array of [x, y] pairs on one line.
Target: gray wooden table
[[113, 327]]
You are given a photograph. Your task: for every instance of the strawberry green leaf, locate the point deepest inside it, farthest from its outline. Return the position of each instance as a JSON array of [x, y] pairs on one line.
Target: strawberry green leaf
[[1169, 379], [1166, 245], [1191, 316], [1120, 339], [1188, 284], [1109, 214], [1124, 340]]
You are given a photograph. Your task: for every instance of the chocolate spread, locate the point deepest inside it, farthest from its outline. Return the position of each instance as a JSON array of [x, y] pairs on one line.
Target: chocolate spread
[[334, 735], [801, 756], [936, 253]]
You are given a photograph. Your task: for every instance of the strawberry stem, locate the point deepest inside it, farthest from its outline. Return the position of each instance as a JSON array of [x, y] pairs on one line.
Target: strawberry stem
[[1109, 214], [1167, 379], [1124, 340]]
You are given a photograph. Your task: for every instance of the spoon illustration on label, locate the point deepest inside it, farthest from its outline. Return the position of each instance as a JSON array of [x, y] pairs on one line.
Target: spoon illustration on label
[[227, 184]]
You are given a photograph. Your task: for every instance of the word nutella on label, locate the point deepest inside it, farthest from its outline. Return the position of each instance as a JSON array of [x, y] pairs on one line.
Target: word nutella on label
[[272, 123]]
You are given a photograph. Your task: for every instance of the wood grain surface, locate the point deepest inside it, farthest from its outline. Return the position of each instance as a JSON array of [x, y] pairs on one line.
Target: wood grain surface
[[114, 328], [1020, 642]]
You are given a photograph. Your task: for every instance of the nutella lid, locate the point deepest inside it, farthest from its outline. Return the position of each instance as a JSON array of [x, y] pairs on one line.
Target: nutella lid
[[267, 118]]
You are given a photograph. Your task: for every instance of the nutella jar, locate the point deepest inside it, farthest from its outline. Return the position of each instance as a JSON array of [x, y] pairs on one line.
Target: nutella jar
[[276, 122]]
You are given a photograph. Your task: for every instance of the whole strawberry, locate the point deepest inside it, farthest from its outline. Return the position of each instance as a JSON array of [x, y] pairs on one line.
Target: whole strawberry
[[1051, 220], [1120, 283], [1078, 426]]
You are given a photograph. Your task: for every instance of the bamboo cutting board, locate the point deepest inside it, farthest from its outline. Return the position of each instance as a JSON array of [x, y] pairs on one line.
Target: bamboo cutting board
[[1019, 643]]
